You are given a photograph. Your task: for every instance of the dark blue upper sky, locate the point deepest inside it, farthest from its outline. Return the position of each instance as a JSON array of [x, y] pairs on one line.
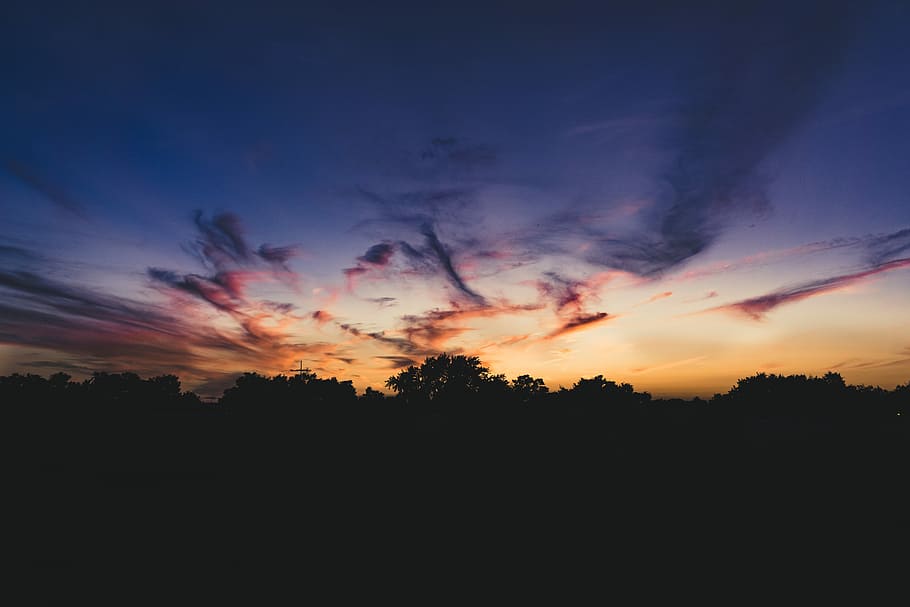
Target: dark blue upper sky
[[217, 103]]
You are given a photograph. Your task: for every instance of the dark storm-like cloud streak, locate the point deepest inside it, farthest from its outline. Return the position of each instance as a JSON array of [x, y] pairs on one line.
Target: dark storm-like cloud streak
[[756, 307]]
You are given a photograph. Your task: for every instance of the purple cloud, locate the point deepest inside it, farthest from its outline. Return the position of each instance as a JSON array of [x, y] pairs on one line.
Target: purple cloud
[[578, 322], [756, 307]]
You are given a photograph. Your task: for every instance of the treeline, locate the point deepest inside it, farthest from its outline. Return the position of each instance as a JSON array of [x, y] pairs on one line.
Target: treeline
[[122, 426], [442, 383], [455, 450]]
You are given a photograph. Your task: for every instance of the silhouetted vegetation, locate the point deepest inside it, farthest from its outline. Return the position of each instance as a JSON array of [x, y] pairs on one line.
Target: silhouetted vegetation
[[452, 431]]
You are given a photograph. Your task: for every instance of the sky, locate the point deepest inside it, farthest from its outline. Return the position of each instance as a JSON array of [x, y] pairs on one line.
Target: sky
[[674, 195]]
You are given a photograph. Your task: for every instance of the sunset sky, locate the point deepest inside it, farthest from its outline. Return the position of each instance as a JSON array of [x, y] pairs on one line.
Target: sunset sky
[[674, 195]]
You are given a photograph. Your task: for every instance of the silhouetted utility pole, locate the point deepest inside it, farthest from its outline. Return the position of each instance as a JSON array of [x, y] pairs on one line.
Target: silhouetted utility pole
[[301, 370]]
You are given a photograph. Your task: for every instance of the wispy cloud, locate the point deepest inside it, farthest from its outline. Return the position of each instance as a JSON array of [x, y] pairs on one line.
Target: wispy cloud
[[434, 328], [886, 247], [762, 258], [570, 298], [221, 248], [429, 333], [757, 87], [578, 322], [428, 258], [431, 223], [39, 312], [874, 248], [618, 126], [321, 316], [452, 155], [278, 256], [211, 290], [20, 254], [384, 302], [41, 293], [756, 307], [899, 359], [47, 188], [402, 344], [397, 362], [569, 294], [670, 365], [445, 262], [111, 332], [378, 254], [658, 297]]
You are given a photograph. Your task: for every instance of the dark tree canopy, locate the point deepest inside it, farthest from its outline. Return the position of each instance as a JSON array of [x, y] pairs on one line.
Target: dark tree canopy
[[444, 377]]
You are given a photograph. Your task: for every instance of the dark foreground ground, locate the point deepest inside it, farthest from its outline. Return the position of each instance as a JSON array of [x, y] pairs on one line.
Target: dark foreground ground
[[389, 498]]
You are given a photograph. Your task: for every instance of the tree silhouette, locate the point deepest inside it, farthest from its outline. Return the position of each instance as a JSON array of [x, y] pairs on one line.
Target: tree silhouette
[[406, 383], [597, 389], [443, 378], [527, 388], [372, 396]]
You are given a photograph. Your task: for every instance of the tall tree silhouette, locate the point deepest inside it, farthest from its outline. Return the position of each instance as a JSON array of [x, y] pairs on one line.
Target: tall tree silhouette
[[443, 378]]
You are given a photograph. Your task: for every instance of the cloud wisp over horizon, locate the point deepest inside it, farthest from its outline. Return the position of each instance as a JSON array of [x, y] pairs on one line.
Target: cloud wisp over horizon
[[756, 308]]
